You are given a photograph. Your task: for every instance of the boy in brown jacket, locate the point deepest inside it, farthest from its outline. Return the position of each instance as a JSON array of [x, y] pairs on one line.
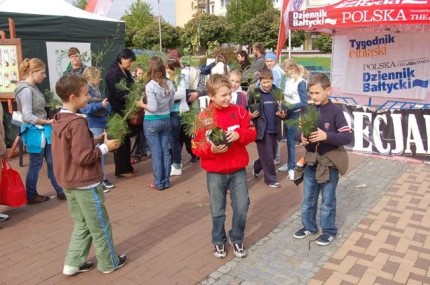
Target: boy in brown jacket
[[78, 170]]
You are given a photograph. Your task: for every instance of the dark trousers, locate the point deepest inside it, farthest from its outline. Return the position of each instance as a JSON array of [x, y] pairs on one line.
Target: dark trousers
[[185, 139], [122, 158], [266, 154]]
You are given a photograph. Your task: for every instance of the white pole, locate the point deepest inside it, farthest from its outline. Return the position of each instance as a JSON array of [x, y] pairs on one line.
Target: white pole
[[289, 44], [159, 25]]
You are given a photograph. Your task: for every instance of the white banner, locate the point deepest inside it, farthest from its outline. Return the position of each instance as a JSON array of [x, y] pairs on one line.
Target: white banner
[[386, 64], [58, 58]]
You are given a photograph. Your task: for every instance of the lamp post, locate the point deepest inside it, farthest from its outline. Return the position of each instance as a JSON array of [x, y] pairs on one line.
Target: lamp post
[[159, 25]]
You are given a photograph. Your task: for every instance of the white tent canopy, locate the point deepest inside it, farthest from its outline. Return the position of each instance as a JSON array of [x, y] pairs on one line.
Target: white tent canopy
[[50, 8]]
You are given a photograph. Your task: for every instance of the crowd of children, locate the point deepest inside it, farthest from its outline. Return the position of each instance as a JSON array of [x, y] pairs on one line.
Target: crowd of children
[[171, 88]]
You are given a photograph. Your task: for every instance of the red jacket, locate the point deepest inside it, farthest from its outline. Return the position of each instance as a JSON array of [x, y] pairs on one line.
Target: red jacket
[[236, 157]]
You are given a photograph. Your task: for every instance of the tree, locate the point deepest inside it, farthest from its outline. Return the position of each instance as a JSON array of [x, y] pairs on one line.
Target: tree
[[137, 18], [265, 28], [203, 29], [324, 43], [149, 37], [241, 11], [80, 4]]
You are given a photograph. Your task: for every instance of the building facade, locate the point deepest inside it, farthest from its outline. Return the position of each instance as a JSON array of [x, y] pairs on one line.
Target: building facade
[[185, 9]]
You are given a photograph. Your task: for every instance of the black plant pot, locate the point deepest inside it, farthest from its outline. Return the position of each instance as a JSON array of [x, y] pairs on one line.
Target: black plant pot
[[218, 137], [254, 107], [52, 112]]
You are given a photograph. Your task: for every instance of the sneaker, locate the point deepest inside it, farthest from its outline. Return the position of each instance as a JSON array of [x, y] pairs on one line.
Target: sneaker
[[107, 184], [302, 233], [194, 160], [175, 171], [255, 174], [61, 196], [275, 185], [219, 251], [72, 270], [3, 217], [105, 190], [238, 249], [283, 168], [121, 263], [324, 239], [37, 199], [291, 174], [277, 161]]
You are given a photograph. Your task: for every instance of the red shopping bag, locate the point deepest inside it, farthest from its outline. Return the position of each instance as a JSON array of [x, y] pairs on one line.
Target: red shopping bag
[[12, 189]]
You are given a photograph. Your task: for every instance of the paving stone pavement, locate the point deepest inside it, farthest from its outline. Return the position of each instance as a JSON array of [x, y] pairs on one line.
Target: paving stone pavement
[[278, 258]]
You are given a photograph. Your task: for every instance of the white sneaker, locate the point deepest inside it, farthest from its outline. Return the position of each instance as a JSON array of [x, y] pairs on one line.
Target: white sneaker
[[3, 217], [175, 171], [277, 161], [291, 174], [283, 168]]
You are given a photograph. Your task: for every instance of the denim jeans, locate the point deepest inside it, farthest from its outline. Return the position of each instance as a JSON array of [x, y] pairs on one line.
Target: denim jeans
[[97, 132], [157, 133], [218, 184], [290, 133], [35, 164], [175, 119], [311, 191]]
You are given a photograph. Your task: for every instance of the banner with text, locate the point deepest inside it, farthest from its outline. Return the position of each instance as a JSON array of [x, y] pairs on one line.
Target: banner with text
[[403, 133], [383, 64], [334, 14]]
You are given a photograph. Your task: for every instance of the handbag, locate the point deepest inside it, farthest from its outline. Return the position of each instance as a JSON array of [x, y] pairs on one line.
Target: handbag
[[12, 189]]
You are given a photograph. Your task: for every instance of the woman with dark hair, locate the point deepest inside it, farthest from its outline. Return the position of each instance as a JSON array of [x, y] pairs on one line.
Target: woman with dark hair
[[120, 71], [242, 57]]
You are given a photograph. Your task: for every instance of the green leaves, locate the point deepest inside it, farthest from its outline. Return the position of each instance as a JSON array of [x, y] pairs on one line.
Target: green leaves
[[307, 123], [117, 126], [52, 100]]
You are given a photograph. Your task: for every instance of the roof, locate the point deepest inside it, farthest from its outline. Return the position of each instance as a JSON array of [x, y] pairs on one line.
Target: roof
[[50, 8]]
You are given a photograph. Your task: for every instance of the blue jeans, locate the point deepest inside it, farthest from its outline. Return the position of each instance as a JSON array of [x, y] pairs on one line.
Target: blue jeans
[[218, 184], [311, 191], [175, 119], [290, 133], [35, 164], [97, 132], [158, 135]]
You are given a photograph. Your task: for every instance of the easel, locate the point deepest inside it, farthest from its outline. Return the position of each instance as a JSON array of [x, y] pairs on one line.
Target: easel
[[9, 96]]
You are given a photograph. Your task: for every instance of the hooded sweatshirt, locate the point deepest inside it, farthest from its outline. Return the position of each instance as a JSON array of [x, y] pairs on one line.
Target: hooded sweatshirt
[[76, 159]]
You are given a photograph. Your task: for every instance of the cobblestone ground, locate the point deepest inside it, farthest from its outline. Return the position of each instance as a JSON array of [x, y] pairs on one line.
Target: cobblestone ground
[[278, 258]]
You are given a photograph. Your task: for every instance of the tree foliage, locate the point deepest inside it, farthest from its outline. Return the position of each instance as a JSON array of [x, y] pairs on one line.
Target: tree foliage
[[80, 4], [202, 30], [261, 28], [149, 37], [136, 18], [241, 11], [324, 43]]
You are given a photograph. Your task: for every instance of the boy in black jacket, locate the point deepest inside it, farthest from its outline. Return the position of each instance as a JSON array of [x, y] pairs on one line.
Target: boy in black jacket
[[325, 158]]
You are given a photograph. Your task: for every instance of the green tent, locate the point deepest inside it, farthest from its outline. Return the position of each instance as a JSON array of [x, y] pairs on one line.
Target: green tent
[[42, 21]]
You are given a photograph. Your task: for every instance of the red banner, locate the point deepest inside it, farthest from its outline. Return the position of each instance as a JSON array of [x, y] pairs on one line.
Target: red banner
[[362, 13]]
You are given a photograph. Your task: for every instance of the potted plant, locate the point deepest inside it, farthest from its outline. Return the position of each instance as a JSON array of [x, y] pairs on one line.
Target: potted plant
[[307, 122], [195, 120], [53, 103], [253, 99], [118, 125]]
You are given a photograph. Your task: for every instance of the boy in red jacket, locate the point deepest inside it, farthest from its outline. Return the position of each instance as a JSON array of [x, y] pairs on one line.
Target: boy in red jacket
[[226, 164]]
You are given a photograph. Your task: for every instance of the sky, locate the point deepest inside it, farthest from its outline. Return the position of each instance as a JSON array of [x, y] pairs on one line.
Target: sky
[[167, 9]]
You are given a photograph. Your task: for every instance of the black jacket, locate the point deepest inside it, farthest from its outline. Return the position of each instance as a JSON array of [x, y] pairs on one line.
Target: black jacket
[[117, 97]]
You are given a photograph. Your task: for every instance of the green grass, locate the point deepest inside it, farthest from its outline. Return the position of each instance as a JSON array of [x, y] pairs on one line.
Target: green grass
[[323, 62]]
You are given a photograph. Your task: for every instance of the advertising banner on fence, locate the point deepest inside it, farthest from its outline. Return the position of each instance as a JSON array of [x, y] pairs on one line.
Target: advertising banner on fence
[[383, 64], [359, 13], [402, 133]]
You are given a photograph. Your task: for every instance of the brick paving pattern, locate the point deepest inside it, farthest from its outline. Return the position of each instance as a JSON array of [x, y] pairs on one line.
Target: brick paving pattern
[[383, 236]]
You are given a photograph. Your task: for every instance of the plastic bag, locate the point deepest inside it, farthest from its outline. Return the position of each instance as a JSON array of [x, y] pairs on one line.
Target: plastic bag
[[12, 189]]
